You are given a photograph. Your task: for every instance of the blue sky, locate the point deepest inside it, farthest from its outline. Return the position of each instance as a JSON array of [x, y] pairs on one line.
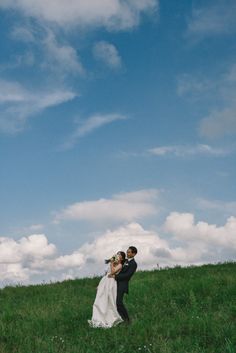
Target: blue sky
[[117, 125]]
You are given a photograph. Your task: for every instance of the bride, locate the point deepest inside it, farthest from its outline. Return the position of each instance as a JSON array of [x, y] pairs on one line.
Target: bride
[[105, 312]]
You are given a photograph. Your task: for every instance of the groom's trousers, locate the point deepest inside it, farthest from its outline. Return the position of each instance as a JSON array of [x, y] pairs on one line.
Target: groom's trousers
[[120, 305]]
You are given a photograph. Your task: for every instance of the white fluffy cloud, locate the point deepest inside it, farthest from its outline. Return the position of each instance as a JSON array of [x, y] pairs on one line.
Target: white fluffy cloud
[[188, 84], [217, 19], [107, 53], [151, 248], [202, 238], [112, 14], [219, 122], [34, 246], [124, 207], [182, 242], [17, 104], [89, 125], [184, 151], [48, 50], [35, 228], [61, 58], [53, 53], [17, 257], [220, 119], [26, 59], [23, 34], [228, 208], [21, 261]]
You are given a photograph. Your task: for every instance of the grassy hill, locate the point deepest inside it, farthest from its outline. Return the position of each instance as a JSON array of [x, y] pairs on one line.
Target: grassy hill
[[179, 310]]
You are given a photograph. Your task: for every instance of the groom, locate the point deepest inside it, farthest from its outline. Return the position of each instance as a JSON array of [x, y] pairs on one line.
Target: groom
[[122, 279]]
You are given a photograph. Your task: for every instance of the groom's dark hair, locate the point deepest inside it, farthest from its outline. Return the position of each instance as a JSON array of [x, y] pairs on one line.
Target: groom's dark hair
[[133, 249]]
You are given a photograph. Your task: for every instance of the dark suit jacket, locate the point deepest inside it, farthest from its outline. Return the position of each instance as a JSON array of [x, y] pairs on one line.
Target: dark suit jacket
[[124, 276]]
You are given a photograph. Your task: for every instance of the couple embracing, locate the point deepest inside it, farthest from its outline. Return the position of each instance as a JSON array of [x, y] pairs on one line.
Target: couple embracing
[[108, 307]]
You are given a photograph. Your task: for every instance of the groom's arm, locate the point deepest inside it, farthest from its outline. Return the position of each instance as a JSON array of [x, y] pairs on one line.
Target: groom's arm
[[126, 275]]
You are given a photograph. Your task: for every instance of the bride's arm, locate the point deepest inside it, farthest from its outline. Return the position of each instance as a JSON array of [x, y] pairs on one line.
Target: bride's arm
[[115, 268]]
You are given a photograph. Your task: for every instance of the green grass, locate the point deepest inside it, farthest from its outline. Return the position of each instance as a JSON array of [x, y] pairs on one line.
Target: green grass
[[179, 310]]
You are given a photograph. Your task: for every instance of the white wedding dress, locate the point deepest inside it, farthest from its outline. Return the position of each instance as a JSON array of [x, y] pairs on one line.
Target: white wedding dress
[[105, 313]]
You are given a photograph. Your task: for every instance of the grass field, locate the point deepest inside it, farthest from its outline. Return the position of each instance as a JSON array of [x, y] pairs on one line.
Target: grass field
[[178, 310]]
